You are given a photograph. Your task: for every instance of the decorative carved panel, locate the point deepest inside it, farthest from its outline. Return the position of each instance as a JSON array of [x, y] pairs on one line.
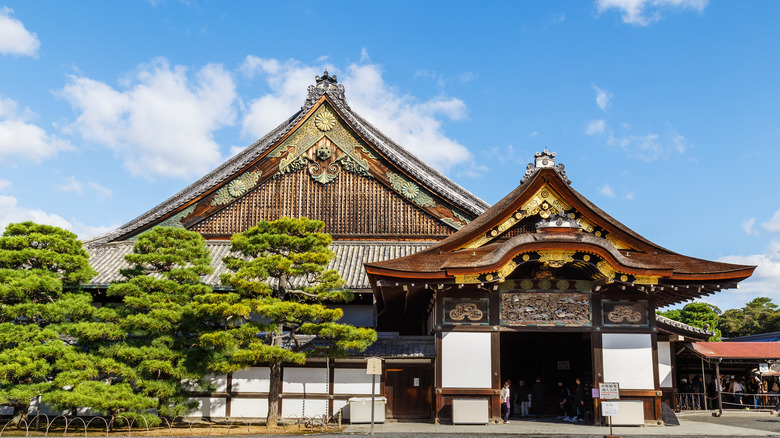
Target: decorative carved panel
[[624, 313], [466, 311], [545, 308]]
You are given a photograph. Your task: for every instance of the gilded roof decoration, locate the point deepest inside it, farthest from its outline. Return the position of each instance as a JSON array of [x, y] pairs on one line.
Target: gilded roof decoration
[[543, 160], [236, 188], [305, 149], [410, 190]]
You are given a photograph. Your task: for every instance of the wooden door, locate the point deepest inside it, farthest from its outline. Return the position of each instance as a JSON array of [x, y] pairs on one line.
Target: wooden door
[[409, 392]]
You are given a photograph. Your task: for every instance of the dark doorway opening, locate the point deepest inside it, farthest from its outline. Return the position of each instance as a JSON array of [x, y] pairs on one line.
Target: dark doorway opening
[[553, 357]]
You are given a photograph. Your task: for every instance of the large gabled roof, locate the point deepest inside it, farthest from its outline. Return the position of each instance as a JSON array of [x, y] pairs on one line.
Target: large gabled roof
[[546, 222], [458, 205]]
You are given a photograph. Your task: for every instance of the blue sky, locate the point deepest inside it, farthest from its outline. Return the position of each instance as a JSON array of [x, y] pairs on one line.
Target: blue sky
[[666, 113]]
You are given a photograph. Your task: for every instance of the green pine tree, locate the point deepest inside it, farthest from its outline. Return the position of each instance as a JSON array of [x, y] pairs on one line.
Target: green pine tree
[[281, 276], [159, 350], [41, 267]]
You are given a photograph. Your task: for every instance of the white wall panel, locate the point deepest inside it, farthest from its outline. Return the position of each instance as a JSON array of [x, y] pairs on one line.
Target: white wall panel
[[305, 380], [254, 379], [219, 381], [665, 364], [248, 407], [209, 407], [628, 360], [353, 381], [292, 407], [466, 360]]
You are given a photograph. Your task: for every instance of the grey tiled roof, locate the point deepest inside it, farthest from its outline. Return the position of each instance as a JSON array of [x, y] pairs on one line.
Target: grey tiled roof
[[682, 326], [108, 259], [401, 346]]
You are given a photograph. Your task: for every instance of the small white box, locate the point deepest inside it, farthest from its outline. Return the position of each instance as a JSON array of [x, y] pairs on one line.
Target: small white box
[[470, 411], [360, 410]]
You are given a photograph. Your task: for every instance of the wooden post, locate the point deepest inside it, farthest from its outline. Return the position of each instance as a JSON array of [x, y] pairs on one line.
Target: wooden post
[[720, 388]]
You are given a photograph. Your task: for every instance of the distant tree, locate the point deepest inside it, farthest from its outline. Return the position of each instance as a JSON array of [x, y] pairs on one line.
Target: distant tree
[[160, 348], [41, 267], [280, 275], [758, 316], [698, 314]]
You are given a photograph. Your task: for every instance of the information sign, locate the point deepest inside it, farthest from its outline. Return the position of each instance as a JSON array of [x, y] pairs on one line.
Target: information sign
[[374, 365], [610, 409], [609, 391]]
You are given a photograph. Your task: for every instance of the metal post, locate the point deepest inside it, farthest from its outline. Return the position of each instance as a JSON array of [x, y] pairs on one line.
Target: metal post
[[720, 388], [373, 391], [704, 387]]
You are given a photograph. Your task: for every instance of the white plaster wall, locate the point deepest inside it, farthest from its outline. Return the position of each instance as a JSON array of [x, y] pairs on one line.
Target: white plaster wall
[[308, 380], [341, 404], [628, 360], [292, 407], [248, 407], [665, 364], [256, 379], [466, 360], [353, 381], [208, 407]]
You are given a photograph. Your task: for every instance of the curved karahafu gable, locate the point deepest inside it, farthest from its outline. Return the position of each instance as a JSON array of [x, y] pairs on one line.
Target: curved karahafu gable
[[334, 164], [546, 226]]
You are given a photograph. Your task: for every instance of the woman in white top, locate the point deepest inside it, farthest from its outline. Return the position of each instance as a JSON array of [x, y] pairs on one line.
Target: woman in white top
[[505, 402]]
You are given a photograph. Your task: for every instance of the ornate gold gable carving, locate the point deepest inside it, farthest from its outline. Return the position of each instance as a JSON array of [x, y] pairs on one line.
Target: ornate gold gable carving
[[324, 146]]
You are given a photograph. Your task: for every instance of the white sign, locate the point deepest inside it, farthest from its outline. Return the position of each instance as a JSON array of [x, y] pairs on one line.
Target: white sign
[[763, 368], [416, 381], [374, 365], [609, 391], [610, 409]]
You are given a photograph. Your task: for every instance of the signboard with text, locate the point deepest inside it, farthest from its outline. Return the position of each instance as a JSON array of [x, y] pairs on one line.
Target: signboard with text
[[374, 365], [609, 391]]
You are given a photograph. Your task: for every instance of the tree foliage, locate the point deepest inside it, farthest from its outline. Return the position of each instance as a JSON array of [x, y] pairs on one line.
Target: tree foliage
[[158, 349], [41, 308], [280, 274], [758, 316], [697, 314]]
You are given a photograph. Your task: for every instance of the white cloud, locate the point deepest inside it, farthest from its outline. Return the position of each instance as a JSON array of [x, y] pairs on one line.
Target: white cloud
[[4, 184], [603, 98], [596, 127], [748, 226], [414, 124], [629, 196], [72, 185], [21, 139], [766, 277], [645, 147], [14, 38], [11, 212], [288, 81], [645, 12], [607, 191], [163, 124]]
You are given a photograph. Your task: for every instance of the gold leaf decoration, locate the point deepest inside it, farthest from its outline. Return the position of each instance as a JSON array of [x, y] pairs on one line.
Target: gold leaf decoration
[[236, 188]]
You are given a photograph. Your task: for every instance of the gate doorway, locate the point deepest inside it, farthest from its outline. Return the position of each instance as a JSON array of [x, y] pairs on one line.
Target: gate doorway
[[409, 391], [551, 356]]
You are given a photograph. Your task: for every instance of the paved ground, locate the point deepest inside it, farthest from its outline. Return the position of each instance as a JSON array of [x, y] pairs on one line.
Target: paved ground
[[738, 424]]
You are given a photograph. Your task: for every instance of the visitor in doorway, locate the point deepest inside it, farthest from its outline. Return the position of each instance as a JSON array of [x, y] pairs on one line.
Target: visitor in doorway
[[537, 397], [505, 395], [564, 400], [685, 394], [697, 387], [738, 389], [522, 398], [578, 406]]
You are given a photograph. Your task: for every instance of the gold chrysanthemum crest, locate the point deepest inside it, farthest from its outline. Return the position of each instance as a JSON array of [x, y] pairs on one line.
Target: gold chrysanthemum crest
[[325, 121]]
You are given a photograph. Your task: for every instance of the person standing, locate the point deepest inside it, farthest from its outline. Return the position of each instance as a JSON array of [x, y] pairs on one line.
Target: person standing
[[505, 396], [537, 397], [522, 398], [564, 400], [578, 406]]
